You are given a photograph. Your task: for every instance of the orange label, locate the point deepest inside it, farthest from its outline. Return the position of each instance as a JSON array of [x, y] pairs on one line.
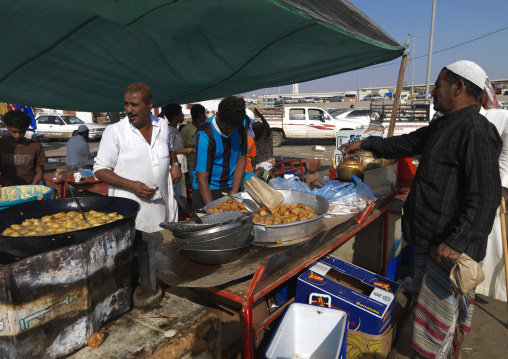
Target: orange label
[[315, 277], [385, 286]]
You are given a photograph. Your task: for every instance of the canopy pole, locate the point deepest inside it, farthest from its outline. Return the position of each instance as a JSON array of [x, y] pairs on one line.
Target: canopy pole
[[398, 91]]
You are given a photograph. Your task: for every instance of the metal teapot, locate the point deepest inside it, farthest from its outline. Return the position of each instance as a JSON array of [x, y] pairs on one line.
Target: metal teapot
[[350, 166], [370, 162]]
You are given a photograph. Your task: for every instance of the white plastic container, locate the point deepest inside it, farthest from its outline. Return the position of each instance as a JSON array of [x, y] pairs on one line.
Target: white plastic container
[[289, 175], [309, 331]]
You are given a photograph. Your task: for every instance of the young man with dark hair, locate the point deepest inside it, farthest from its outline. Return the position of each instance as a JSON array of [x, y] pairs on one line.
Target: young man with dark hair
[[264, 159], [21, 160], [198, 114], [221, 153]]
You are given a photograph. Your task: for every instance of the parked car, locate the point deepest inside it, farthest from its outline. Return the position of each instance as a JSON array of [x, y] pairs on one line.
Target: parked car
[[421, 95], [293, 122], [503, 105], [58, 126], [358, 115], [373, 98], [334, 112], [337, 99]]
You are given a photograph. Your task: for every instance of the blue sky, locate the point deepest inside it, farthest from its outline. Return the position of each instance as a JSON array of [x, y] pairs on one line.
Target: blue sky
[[456, 22]]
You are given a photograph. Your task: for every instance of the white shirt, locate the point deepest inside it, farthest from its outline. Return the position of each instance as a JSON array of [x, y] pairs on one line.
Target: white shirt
[[78, 152], [499, 118], [124, 150], [252, 118], [176, 138]]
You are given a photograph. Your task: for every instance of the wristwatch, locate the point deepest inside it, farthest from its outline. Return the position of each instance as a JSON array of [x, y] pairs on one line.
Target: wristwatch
[[176, 164]]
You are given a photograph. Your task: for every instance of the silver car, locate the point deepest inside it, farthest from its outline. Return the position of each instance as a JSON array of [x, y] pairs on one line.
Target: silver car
[[60, 126]]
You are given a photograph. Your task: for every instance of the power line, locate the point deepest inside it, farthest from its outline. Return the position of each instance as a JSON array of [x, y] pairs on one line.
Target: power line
[[436, 52]]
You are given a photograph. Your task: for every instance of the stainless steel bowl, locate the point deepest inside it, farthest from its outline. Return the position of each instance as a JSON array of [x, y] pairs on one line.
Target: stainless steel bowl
[[219, 256], [232, 235], [209, 221], [287, 231]]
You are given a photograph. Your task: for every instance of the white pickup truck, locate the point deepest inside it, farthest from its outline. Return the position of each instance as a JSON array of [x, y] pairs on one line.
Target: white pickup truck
[[310, 122], [410, 117]]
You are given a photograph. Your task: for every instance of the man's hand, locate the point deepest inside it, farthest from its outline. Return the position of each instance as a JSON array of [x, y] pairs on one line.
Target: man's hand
[[256, 112], [445, 253], [140, 189], [350, 147], [504, 192], [176, 174], [232, 191]]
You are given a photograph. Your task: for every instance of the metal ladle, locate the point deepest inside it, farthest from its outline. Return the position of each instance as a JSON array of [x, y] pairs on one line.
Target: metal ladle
[[250, 205], [75, 200], [192, 214], [253, 206]]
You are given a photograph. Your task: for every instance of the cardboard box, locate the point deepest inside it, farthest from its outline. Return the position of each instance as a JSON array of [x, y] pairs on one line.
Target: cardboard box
[[345, 136], [367, 297], [362, 346]]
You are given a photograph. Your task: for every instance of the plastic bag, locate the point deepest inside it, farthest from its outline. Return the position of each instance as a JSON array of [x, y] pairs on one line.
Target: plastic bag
[[290, 184], [346, 198], [362, 189], [333, 190]]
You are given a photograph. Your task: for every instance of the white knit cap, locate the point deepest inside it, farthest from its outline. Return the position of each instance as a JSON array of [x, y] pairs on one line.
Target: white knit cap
[[470, 71], [82, 128]]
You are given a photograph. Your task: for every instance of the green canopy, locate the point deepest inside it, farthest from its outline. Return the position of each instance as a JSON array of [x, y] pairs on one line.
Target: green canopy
[[82, 54]]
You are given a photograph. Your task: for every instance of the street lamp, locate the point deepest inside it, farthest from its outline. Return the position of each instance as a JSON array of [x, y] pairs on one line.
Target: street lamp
[[429, 60], [413, 75]]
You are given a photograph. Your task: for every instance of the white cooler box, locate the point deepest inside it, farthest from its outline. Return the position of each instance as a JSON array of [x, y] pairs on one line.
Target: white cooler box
[[309, 331]]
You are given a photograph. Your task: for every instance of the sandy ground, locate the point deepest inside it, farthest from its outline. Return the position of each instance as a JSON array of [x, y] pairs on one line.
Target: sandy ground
[[489, 338]]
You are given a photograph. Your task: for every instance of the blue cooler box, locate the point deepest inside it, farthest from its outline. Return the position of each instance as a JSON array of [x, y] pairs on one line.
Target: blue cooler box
[[366, 297], [308, 331]]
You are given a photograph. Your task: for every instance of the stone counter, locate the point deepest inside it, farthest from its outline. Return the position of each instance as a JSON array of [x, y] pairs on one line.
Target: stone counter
[[175, 328]]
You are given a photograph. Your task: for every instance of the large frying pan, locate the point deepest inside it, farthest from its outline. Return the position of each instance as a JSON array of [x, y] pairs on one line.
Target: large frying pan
[[29, 246]]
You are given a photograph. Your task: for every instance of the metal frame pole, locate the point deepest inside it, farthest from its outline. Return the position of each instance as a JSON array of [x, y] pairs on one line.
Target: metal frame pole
[[429, 62]]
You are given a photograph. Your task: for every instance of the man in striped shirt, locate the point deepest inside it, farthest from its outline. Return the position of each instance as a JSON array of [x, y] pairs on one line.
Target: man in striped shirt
[[221, 153]]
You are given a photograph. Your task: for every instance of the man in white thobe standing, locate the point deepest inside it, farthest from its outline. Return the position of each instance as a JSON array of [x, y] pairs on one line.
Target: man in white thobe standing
[[494, 285], [136, 158]]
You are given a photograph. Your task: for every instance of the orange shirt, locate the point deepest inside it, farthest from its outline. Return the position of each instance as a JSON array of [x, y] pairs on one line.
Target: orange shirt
[[251, 152]]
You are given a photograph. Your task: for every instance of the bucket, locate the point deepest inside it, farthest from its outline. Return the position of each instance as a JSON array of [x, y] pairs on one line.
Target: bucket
[[309, 331]]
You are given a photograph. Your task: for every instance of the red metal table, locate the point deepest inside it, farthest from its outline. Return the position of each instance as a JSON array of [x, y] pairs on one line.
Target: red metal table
[[278, 269]]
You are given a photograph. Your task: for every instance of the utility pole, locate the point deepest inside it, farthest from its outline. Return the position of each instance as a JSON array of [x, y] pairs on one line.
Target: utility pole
[[358, 94], [413, 61], [429, 62]]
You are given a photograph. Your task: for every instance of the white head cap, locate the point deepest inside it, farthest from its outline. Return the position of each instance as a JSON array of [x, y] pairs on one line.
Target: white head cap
[[470, 71], [82, 128]]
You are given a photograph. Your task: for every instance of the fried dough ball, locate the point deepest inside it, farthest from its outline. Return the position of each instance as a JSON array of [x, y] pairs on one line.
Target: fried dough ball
[[95, 339], [60, 223], [284, 213]]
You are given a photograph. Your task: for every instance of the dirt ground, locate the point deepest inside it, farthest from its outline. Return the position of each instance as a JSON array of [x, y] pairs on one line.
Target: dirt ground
[[489, 335]]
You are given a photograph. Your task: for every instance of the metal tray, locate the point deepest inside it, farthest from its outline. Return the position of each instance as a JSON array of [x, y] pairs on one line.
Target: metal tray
[[287, 231]]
